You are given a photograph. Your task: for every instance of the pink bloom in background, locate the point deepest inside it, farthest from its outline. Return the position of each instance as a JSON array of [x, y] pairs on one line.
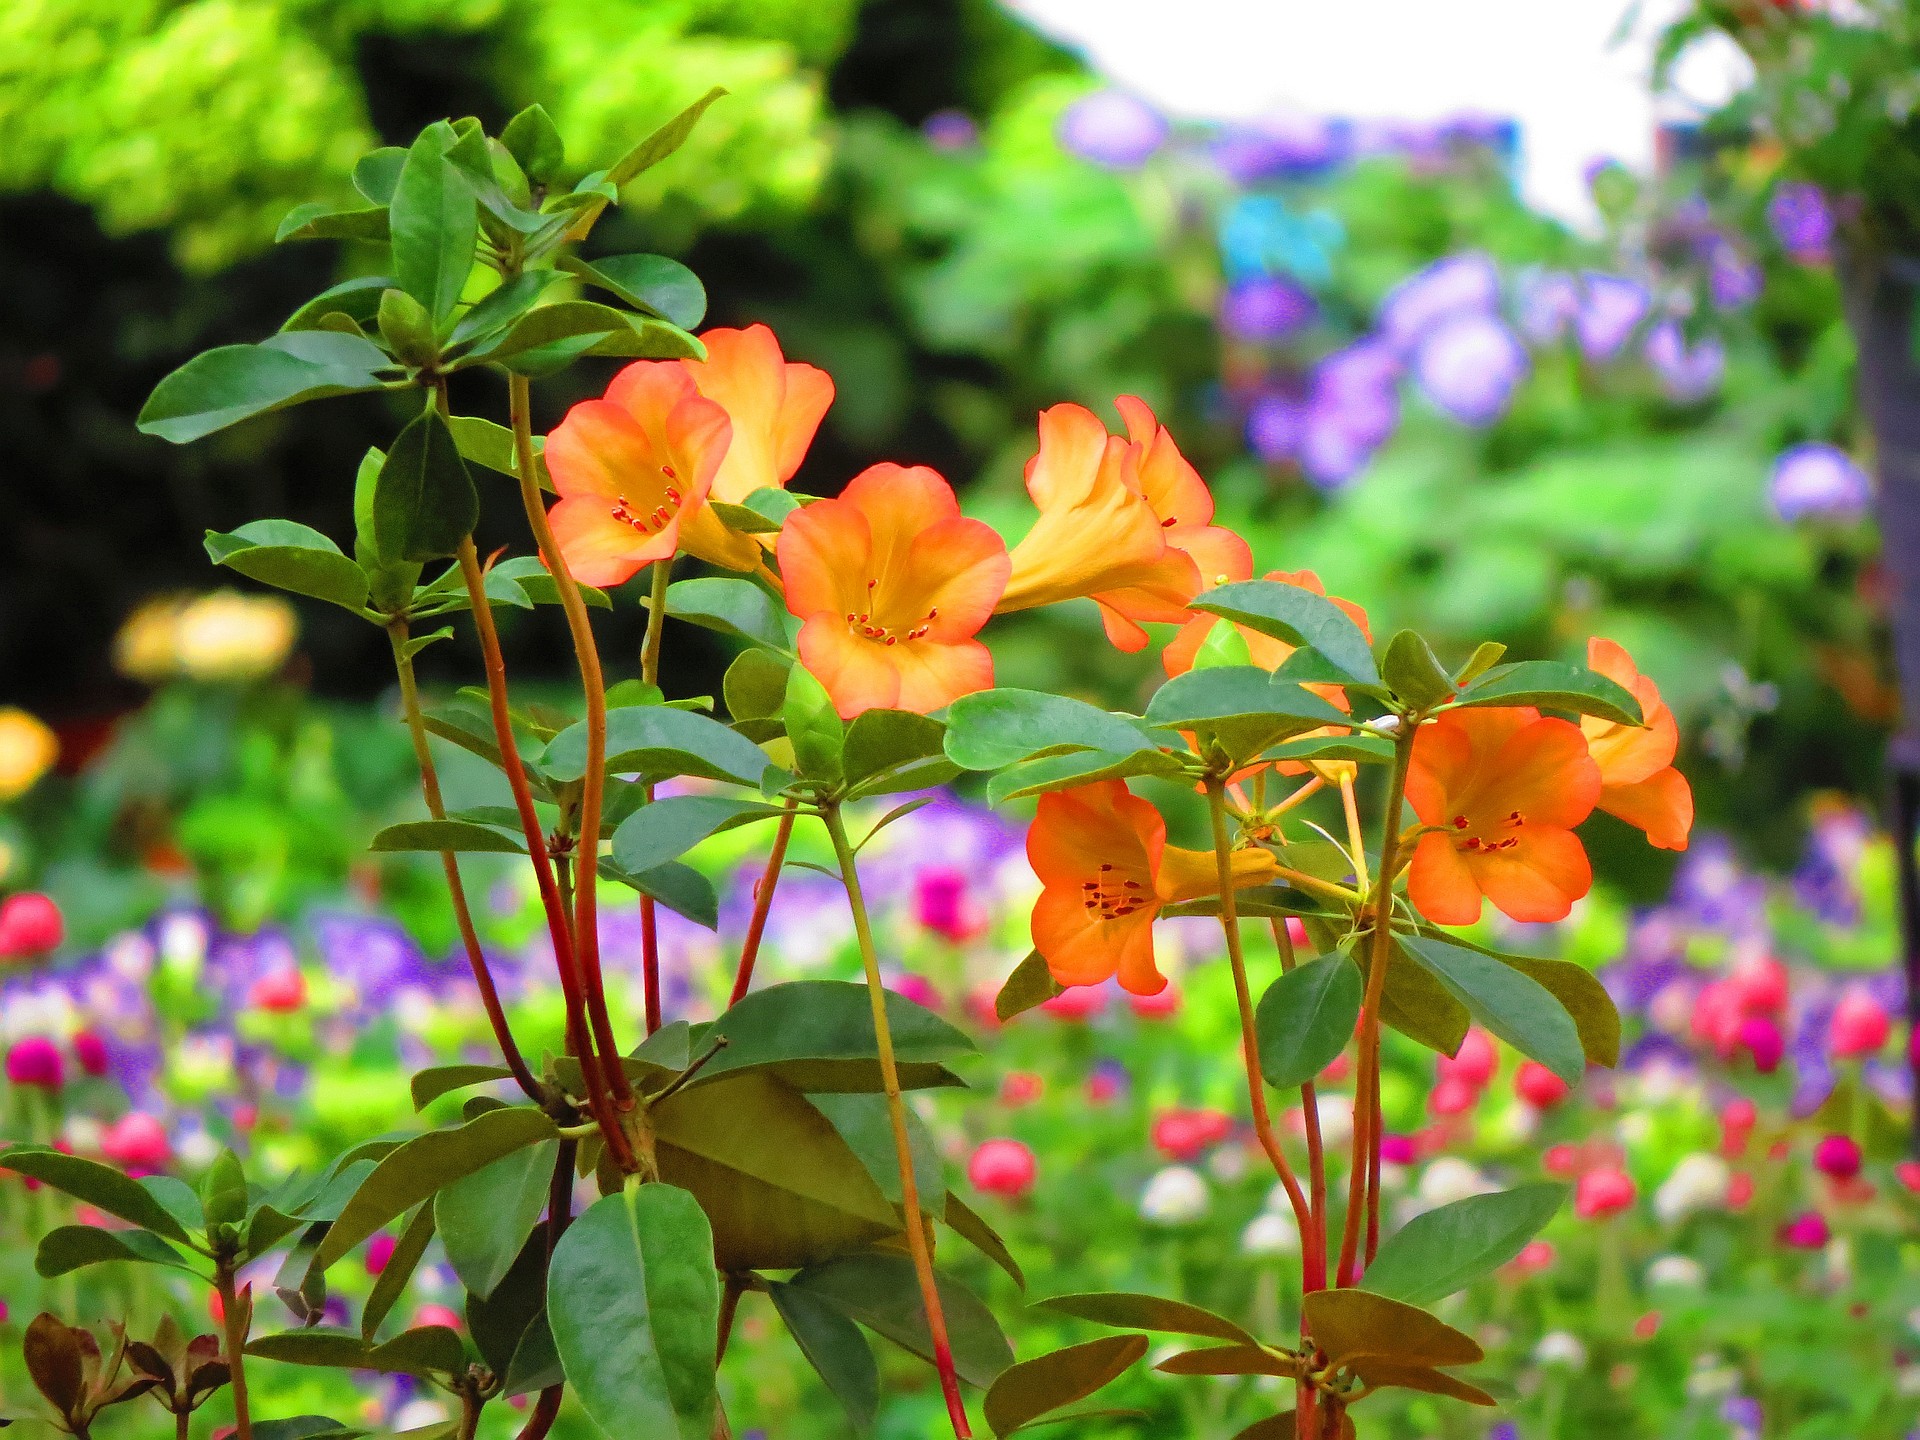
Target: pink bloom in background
[[137, 1143], [1736, 1124], [1163, 1006], [1186, 1134], [279, 992], [1534, 1256], [1474, 1063], [436, 1315], [1600, 1193], [1398, 1150], [943, 903], [36, 1061], [379, 1251], [1761, 1038], [30, 926], [1860, 1026], [1002, 1167], [1761, 984], [1837, 1156], [1539, 1086], [1807, 1231], [916, 988], [1021, 1087], [1453, 1096], [1907, 1172], [1077, 1002], [91, 1051]]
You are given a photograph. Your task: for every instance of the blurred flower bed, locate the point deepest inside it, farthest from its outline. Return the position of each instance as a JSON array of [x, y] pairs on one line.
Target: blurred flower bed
[[1738, 1260]]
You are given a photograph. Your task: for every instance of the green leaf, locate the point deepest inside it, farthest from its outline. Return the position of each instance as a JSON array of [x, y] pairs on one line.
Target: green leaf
[[658, 741], [579, 327], [879, 1289], [885, 740], [435, 223], [224, 386], [320, 1345], [730, 606], [319, 220], [864, 1123], [662, 142], [420, 1167], [755, 685], [834, 1346], [223, 1190], [424, 503], [1243, 709], [652, 283], [1030, 984], [302, 1427], [1078, 767], [178, 1199], [447, 836], [1447, 1249], [69, 1247], [498, 1322], [425, 1349], [666, 829], [1583, 997], [742, 518], [681, 888], [994, 728], [970, 1226], [377, 173], [634, 1307], [484, 1218], [1226, 1360], [491, 445], [1026, 1391], [1557, 686], [1224, 645], [1298, 616], [1485, 656], [535, 144], [1350, 1324], [293, 557], [394, 1275], [1148, 1312], [813, 725], [1361, 746], [92, 1183], [1420, 1007], [818, 1036], [437, 1080], [500, 307], [407, 328], [1513, 1006], [1306, 1019], [1414, 672], [1381, 1374], [358, 299]]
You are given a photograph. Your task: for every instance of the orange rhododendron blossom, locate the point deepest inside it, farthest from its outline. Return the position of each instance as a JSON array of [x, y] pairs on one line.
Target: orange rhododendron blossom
[[891, 583], [1106, 871], [1127, 522], [1506, 786], [629, 467], [776, 406], [1637, 780]]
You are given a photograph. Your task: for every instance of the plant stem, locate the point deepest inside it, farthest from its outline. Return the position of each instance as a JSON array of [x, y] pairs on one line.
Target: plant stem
[[762, 904], [545, 1409], [1363, 1189], [662, 571], [1356, 841], [586, 923], [235, 1327], [729, 1306], [469, 1412], [897, 1114], [1243, 995], [462, 913], [182, 1424], [1314, 1246]]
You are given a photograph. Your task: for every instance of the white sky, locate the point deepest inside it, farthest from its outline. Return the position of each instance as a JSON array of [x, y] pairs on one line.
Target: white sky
[[1552, 64]]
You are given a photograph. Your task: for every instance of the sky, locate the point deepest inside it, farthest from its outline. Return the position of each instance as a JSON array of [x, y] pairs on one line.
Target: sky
[[1563, 68]]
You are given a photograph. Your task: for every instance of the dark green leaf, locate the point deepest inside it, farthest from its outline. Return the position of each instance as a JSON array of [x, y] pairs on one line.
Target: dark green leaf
[[377, 173], [662, 142], [424, 503], [535, 144], [1381, 1374], [437, 1080], [864, 1123], [755, 684], [100, 1186], [319, 220], [1415, 674], [536, 1360], [224, 386], [634, 1307], [884, 740], [394, 1275], [449, 836], [1079, 767], [178, 1199], [667, 829], [69, 1247], [658, 741], [1556, 685], [1421, 1008], [302, 1427], [484, 1218], [1306, 1019], [423, 1350], [500, 307], [1243, 709], [819, 1036], [969, 1225], [435, 223], [1447, 1249], [994, 728], [836, 1349], [1298, 616], [652, 283], [731, 606], [358, 299], [498, 1322], [1361, 746], [293, 557], [879, 1290], [1030, 984], [585, 327], [1026, 1391], [1348, 1324], [1513, 1006], [1148, 1312], [491, 445], [1583, 997]]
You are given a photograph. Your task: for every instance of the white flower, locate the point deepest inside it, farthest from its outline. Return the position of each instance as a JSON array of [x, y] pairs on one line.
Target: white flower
[[1228, 1163], [196, 1149], [83, 1132], [1907, 1380], [1336, 1119], [1175, 1196], [1271, 1234], [130, 954], [1712, 1378], [1449, 1178], [416, 1414], [1699, 1182], [1680, 1272], [1558, 1347]]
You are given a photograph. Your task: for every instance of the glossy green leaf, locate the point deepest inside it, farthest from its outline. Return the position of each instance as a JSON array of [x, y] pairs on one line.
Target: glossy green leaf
[[1306, 1018], [178, 1199], [1024, 1392], [535, 143], [818, 1034], [293, 557], [1513, 1006], [583, 327], [430, 1084], [1031, 984], [658, 741], [1583, 997], [435, 223], [1555, 685], [1298, 616], [320, 220], [1448, 1248], [423, 1350], [666, 829], [1486, 655], [1414, 672], [1243, 709], [392, 1280], [302, 1427], [634, 1307], [652, 283], [971, 1226], [502, 306], [424, 503], [484, 1218], [835, 1348], [69, 1247], [885, 740], [1420, 1007], [879, 1289], [813, 726], [995, 728], [681, 888], [358, 299], [449, 836], [1078, 767], [377, 173], [224, 386], [730, 606], [100, 1186], [485, 443], [662, 142], [1148, 1312], [1348, 1324]]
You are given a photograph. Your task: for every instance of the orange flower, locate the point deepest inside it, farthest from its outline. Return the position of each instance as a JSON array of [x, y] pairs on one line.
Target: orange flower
[[1506, 786], [776, 406], [629, 468], [1127, 522], [1637, 780], [1106, 871], [891, 583]]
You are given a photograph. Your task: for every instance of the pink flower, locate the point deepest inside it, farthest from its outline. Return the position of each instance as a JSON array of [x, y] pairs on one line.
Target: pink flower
[[1806, 1231], [436, 1315], [30, 926], [1534, 1256], [1907, 1172], [1398, 1150], [279, 992], [1762, 1039], [1837, 1156], [1600, 1193], [91, 1051], [1561, 1160], [36, 1061], [1077, 1002], [1760, 984], [379, 1251], [1539, 1086], [1739, 1190], [1453, 1096], [1716, 1017], [1162, 1006], [1184, 1135], [1860, 1026], [1736, 1124], [1647, 1326], [1002, 1167], [1021, 1087], [942, 903], [1474, 1063], [137, 1143], [916, 988], [1297, 933]]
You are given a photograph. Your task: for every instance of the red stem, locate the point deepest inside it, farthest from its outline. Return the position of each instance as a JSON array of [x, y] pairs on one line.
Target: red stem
[[762, 903], [650, 953]]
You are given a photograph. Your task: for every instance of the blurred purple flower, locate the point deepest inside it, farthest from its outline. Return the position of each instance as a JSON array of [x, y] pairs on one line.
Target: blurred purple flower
[[1275, 425], [1266, 308], [950, 130], [1331, 451], [1275, 146], [1610, 309], [1687, 374], [1802, 221], [1733, 280], [1549, 299], [371, 954], [1713, 891], [1469, 366], [1823, 882], [1819, 481], [1458, 284], [1112, 129], [1505, 1430]]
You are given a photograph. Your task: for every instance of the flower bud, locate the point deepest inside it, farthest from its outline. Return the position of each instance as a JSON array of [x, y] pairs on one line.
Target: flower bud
[[1002, 1167], [91, 1051], [36, 1061], [1837, 1156], [379, 1252], [1021, 1087], [1186, 1134], [1806, 1231]]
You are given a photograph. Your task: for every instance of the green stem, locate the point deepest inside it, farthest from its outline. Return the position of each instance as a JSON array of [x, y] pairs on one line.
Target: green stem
[[235, 1326], [897, 1115]]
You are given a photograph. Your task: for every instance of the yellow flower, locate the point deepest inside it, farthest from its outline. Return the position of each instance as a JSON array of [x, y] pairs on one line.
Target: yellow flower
[[27, 749]]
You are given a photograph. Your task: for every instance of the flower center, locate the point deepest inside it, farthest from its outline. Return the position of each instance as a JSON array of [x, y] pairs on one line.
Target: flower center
[[1112, 898], [868, 624], [650, 522], [1471, 839]]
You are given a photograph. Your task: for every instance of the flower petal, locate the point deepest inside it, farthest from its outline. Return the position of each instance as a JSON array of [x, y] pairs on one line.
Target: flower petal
[[1538, 879], [1075, 832], [934, 673], [775, 406], [1440, 884], [1543, 771], [1661, 805], [1081, 949], [599, 449], [858, 674], [600, 550], [826, 559]]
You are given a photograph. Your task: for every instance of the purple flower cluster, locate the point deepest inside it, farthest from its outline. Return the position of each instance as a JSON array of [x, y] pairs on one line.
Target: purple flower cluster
[[1817, 481]]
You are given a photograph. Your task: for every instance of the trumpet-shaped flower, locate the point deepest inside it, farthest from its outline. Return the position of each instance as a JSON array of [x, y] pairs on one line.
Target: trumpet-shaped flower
[[1504, 788], [775, 405], [630, 468], [891, 583], [1127, 522], [1638, 782], [1106, 872]]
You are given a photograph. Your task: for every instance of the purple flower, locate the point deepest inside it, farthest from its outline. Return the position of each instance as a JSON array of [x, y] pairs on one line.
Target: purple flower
[[1266, 308], [1611, 307], [1688, 375], [1469, 366], [373, 955], [1277, 145], [1505, 1430], [1275, 425], [1549, 299], [1802, 221], [1743, 1412], [950, 130], [1458, 284], [1713, 891], [1733, 281], [1112, 129], [1819, 481], [1823, 883], [1332, 452]]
